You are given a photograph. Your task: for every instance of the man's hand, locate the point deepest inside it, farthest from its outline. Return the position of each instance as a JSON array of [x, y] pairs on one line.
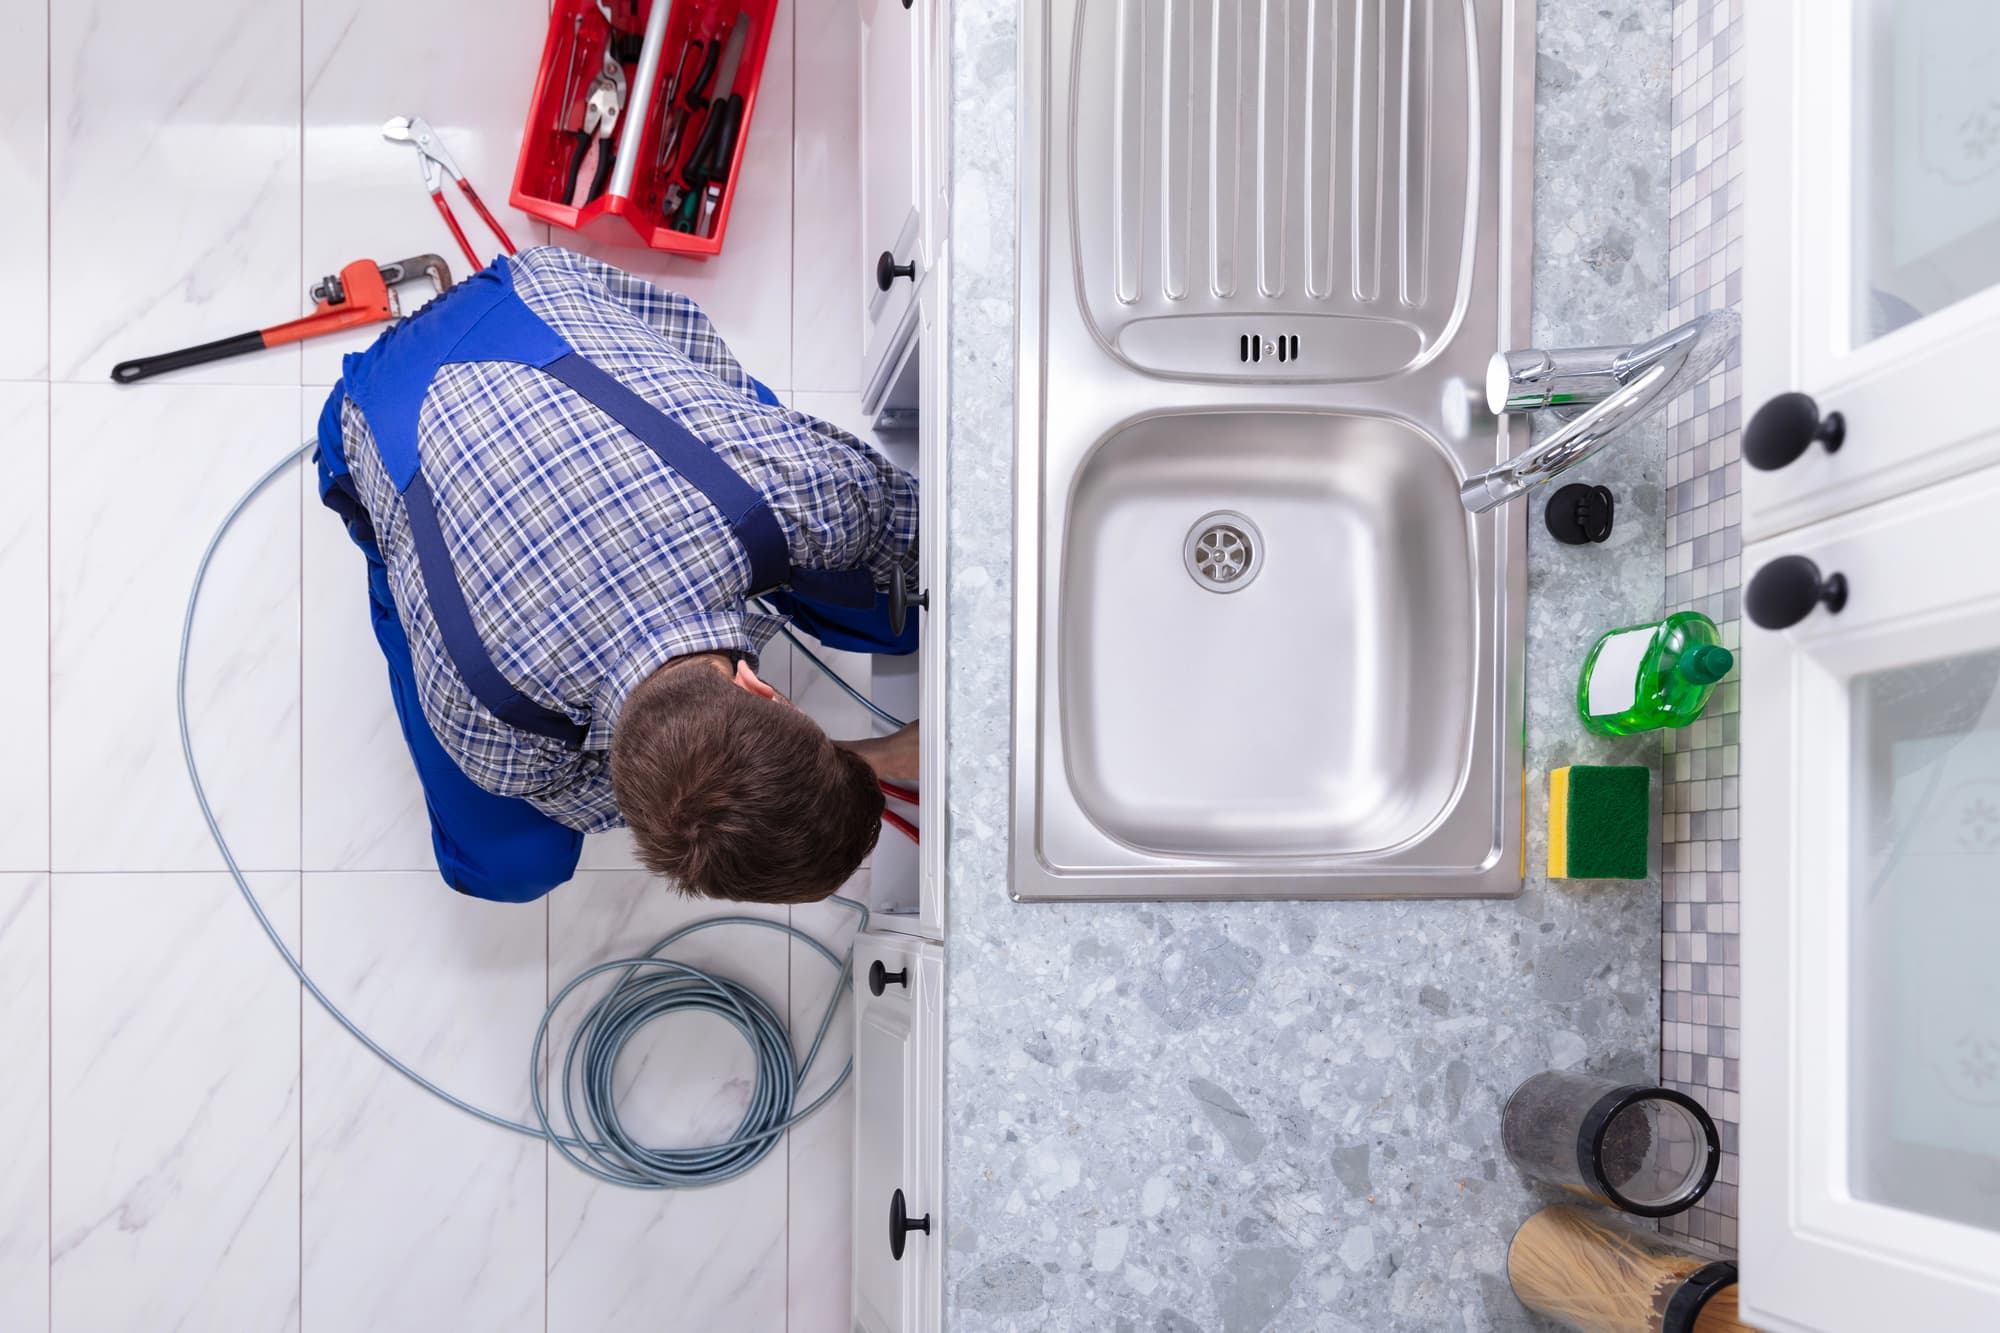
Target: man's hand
[[894, 757]]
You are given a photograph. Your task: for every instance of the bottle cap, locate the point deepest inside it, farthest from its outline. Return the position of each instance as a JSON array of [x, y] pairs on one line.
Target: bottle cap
[[1705, 663]]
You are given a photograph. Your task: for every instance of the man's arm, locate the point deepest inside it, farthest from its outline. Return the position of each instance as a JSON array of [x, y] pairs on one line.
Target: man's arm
[[891, 551], [893, 757], [894, 556], [888, 545]]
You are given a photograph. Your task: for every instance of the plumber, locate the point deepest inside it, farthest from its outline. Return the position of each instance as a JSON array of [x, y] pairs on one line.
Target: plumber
[[568, 492]]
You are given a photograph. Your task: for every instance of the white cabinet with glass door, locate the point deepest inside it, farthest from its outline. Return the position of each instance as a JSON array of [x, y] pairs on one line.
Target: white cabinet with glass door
[[1871, 692]]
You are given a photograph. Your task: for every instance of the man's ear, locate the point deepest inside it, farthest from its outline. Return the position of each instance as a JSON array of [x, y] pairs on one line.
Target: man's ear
[[746, 678]]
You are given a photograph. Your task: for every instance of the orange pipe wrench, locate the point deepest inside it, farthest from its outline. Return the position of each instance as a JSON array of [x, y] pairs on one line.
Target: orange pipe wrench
[[362, 293]]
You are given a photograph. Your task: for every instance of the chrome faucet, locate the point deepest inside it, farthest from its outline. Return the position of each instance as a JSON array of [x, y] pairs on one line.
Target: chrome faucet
[[1597, 392]]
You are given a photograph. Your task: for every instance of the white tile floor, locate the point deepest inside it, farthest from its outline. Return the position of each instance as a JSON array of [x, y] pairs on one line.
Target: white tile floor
[[192, 1144]]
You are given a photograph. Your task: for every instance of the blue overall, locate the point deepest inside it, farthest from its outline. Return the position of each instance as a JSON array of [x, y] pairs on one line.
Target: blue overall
[[487, 845]]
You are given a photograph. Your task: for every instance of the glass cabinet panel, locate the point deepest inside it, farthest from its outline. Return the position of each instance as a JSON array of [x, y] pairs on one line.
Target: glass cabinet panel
[[1925, 948], [1926, 185]]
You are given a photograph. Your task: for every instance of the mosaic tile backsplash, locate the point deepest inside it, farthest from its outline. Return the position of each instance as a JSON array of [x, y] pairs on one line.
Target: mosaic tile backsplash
[[1700, 986]]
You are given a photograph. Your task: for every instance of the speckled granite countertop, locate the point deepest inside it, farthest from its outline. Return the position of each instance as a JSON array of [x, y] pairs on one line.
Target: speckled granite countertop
[[1285, 1116]]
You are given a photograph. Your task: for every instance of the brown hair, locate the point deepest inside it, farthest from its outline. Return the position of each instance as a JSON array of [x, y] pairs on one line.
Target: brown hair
[[736, 796]]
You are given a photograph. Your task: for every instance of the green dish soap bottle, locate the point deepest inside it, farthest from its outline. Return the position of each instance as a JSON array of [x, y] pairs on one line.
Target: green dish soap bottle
[[1645, 677]]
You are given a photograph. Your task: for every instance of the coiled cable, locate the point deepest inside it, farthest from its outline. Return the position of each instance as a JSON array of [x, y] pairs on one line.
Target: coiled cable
[[647, 988]]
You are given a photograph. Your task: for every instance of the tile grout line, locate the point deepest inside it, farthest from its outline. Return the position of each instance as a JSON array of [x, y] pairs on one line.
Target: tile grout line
[[792, 264], [302, 1108], [49, 634], [791, 1140], [299, 512], [534, 1080], [535, 1075], [792, 367], [49, 1059]]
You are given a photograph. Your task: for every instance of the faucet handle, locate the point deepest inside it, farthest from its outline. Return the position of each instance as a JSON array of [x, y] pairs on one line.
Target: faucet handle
[[1577, 515], [1784, 428]]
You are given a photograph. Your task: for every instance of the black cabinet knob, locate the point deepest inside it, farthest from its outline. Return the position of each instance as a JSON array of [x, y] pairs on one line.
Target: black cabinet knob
[[901, 599], [887, 270], [1784, 592], [1786, 427], [881, 978], [901, 1224]]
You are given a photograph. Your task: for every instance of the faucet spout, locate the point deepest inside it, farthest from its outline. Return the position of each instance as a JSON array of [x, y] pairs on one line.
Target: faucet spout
[[1602, 390]]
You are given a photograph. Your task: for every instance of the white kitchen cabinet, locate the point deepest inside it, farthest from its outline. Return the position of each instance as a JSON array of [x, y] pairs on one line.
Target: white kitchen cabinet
[[1870, 1149], [898, 962], [899, 96], [899, 1133], [1871, 904], [1872, 243]]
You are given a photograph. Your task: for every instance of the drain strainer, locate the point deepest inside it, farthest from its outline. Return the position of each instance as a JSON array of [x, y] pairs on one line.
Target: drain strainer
[[1223, 551]]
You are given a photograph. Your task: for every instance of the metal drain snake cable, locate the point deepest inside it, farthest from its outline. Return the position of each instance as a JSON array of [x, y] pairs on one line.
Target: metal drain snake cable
[[882, 715], [648, 987]]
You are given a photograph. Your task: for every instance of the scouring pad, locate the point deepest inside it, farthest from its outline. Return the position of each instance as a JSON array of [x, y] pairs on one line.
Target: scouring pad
[[1599, 826]]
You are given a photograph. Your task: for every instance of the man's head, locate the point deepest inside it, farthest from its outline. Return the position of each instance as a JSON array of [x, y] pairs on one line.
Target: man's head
[[733, 792]]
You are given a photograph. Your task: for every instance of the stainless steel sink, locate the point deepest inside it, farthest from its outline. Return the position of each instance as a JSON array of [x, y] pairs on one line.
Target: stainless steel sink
[[1183, 734], [1262, 650]]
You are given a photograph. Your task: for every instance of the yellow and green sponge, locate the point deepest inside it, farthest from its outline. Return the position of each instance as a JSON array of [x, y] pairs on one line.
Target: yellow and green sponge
[[1599, 825]]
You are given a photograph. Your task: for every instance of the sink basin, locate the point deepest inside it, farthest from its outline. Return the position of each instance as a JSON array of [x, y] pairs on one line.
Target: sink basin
[[1228, 579], [1261, 648]]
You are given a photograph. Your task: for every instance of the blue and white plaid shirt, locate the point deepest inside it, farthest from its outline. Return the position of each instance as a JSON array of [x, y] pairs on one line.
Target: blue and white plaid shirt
[[586, 562]]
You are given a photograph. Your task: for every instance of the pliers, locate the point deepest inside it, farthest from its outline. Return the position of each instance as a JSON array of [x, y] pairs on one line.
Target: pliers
[[436, 163], [602, 105]]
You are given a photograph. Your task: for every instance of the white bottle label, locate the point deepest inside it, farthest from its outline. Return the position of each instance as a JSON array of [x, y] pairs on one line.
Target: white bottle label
[[1614, 680]]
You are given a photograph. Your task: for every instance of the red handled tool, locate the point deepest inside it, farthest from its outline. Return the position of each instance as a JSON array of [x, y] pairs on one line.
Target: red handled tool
[[890, 817], [362, 293], [436, 164]]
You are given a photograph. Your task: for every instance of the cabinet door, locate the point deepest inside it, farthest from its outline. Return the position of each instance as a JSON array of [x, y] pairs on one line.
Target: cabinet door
[[907, 878], [931, 570], [927, 1251], [885, 1095], [893, 75], [1872, 261], [1871, 914]]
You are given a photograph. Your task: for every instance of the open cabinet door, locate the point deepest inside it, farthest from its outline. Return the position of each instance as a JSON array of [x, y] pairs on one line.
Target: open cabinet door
[[1870, 1149]]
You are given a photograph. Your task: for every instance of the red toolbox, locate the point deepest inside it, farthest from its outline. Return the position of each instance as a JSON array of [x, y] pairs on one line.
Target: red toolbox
[[685, 140]]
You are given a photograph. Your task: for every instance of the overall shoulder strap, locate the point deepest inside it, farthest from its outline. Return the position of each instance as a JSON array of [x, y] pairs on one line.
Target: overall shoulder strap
[[751, 521], [388, 382]]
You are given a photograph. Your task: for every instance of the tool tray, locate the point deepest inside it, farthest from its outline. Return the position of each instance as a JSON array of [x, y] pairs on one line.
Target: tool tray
[[549, 138]]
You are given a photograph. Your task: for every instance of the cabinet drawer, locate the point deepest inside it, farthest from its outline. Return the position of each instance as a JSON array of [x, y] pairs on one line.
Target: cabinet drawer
[[1913, 414]]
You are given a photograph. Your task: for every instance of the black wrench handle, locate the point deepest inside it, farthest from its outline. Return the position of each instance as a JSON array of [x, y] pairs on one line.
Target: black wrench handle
[[145, 367]]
